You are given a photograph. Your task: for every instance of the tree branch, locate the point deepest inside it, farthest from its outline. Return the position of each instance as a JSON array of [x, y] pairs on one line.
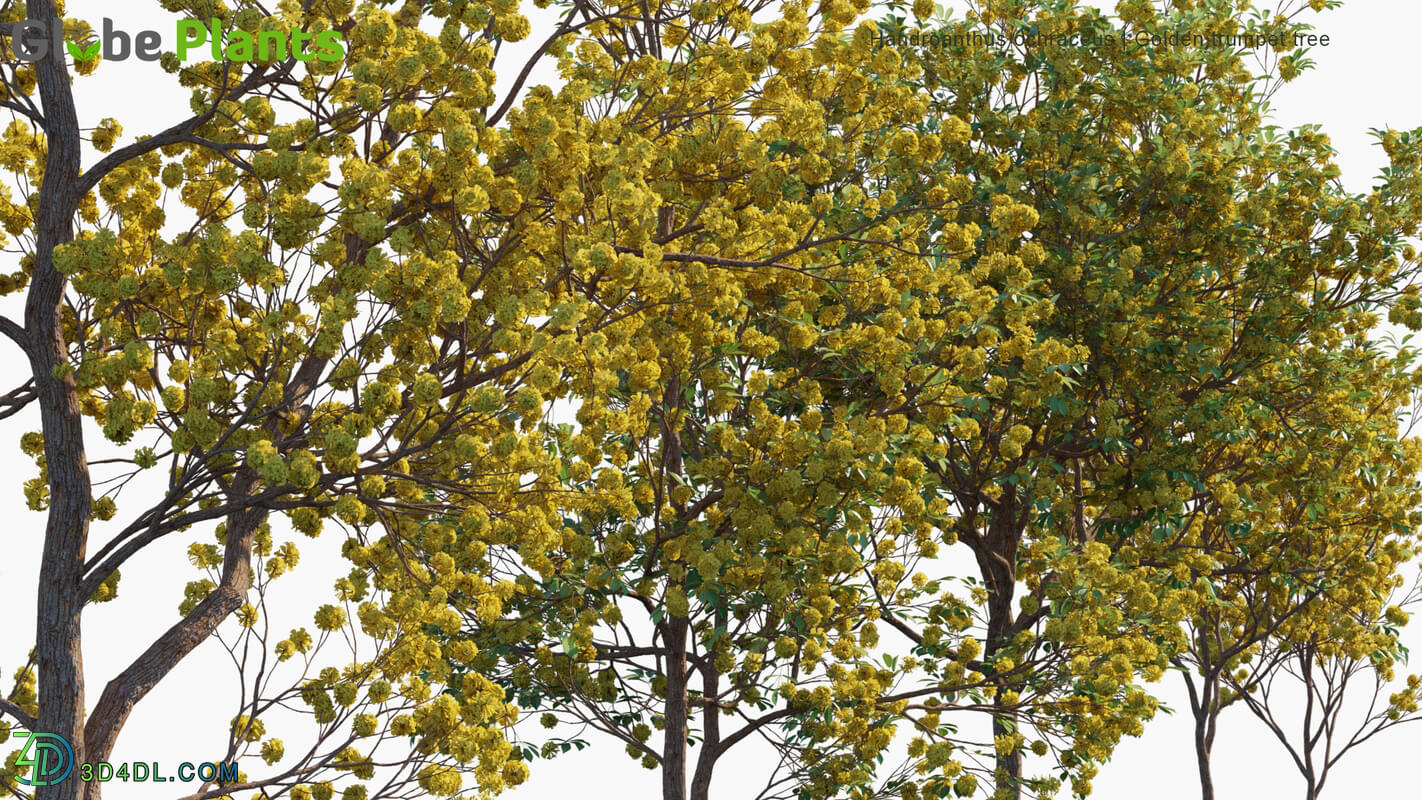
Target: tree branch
[[23, 716], [124, 691], [16, 332]]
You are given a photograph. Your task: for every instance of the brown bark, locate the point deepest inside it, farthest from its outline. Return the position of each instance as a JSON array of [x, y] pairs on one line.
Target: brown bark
[[1203, 743], [996, 554], [711, 712], [61, 594], [1204, 707], [675, 713], [124, 691]]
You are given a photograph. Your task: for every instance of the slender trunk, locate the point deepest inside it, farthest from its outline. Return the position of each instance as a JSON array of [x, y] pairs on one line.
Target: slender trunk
[[1310, 738], [1203, 745], [1202, 708], [706, 760], [1008, 767], [59, 651], [996, 554], [674, 754], [674, 746], [711, 714]]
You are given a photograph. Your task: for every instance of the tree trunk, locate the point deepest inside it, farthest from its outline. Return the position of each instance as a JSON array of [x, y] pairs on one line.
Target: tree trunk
[[674, 756], [711, 714], [1202, 707], [996, 554], [59, 652], [706, 760], [1008, 768], [130, 686], [674, 745], [1202, 758]]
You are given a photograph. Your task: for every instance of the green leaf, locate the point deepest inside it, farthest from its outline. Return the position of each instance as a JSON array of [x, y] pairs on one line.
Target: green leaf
[[82, 53]]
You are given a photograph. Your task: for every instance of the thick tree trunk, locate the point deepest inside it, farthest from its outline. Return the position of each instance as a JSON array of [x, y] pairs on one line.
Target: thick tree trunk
[[675, 713], [58, 644], [59, 653]]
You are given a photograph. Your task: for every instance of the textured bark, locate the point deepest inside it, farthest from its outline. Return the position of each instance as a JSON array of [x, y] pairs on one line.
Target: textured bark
[[1204, 706], [675, 713], [996, 554], [711, 743], [61, 596], [57, 636], [1008, 768], [123, 692], [1202, 760]]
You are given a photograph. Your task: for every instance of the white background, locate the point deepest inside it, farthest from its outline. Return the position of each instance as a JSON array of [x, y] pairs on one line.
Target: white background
[[1365, 79]]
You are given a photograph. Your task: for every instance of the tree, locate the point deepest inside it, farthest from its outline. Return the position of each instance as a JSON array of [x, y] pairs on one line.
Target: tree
[[1130, 280], [1302, 564], [320, 346], [821, 305], [1323, 726], [729, 513], [1161, 341], [1324, 667]]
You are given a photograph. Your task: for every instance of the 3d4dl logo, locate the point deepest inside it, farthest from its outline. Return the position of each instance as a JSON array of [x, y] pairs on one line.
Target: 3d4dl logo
[[52, 759], [32, 40]]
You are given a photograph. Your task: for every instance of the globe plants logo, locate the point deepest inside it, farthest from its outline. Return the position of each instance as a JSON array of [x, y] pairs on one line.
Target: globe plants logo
[[32, 40], [49, 757]]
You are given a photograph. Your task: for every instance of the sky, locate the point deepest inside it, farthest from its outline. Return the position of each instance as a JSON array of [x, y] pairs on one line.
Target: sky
[[1360, 82]]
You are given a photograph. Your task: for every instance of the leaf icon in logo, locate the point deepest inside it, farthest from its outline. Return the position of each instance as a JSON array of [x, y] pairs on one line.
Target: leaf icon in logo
[[82, 53]]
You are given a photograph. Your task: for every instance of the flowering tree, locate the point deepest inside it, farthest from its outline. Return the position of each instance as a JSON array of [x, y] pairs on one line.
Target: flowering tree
[[363, 306], [818, 308], [730, 510], [1063, 389], [1325, 695], [1165, 287]]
